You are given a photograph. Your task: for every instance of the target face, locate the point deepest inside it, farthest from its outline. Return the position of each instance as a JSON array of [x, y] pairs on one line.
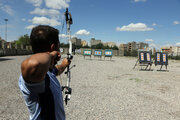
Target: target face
[[158, 57], [87, 52], [108, 52], [148, 57], [98, 53], [164, 57], [142, 56]]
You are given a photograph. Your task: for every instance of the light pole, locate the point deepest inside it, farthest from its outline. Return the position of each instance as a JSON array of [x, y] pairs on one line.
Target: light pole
[[6, 29]]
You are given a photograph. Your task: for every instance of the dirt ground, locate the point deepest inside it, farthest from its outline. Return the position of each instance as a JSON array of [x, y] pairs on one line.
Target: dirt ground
[[102, 90]]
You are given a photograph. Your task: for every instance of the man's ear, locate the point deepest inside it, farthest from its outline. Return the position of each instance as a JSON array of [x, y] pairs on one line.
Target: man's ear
[[52, 47]]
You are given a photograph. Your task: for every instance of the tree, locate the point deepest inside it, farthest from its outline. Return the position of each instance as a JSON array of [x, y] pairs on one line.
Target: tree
[[23, 40], [98, 46], [106, 47], [85, 46], [63, 45], [78, 46], [127, 53], [115, 48], [134, 53]]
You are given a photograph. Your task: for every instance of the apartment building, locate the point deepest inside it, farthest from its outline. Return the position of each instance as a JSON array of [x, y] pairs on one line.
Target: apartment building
[[93, 41], [76, 41]]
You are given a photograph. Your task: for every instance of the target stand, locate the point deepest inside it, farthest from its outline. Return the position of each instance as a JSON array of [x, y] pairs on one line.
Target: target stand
[[108, 53], [97, 53], [87, 53], [144, 59], [162, 60]]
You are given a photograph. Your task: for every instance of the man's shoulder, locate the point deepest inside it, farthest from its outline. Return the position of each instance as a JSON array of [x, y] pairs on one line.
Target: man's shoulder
[[29, 88]]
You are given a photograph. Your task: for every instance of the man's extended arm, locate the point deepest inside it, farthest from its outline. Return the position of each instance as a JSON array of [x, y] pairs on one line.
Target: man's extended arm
[[63, 66]]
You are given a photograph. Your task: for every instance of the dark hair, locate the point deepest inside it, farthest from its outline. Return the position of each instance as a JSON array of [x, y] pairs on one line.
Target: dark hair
[[42, 37]]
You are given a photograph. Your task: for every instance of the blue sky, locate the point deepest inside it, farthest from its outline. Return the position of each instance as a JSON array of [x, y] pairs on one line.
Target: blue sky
[[156, 22]]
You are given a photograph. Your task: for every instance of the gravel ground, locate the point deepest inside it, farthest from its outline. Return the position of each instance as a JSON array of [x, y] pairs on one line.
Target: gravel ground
[[102, 90]]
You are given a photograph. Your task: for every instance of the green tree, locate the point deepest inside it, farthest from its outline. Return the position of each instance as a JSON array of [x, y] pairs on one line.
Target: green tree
[[106, 47], [63, 45], [25, 40], [115, 48], [85, 46], [177, 57], [127, 53], [98, 46], [134, 53], [78, 46]]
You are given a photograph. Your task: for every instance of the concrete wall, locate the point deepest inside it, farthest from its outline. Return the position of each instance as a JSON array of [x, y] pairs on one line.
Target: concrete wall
[[10, 49], [12, 52]]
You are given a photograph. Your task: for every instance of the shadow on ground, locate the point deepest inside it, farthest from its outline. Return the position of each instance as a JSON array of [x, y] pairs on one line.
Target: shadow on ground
[[5, 59]]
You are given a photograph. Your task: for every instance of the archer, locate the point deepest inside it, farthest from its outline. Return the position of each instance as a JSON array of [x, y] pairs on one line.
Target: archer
[[38, 83]]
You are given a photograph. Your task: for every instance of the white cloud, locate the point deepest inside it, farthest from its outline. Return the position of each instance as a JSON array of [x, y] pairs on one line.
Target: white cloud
[[154, 24], [167, 45], [43, 12], [140, 0], [82, 32], [30, 26], [63, 36], [6, 9], [23, 19], [178, 44], [152, 45], [36, 3], [66, 36], [29, 20], [149, 40], [57, 4], [134, 27], [176, 22], [46, 21]]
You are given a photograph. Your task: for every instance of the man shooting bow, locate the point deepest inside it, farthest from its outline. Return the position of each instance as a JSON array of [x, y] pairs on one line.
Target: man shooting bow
[[38, 83]]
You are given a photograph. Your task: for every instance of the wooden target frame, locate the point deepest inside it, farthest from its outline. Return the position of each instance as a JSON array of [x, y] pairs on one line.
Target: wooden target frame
[[161, 59], [144, 59]]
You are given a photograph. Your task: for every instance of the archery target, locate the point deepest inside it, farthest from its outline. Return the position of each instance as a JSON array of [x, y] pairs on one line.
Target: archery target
[[158, 57], [108, 53], [142, 56], [164, 57], [97, 53], [148, 57], [87, 52], [161, 58]]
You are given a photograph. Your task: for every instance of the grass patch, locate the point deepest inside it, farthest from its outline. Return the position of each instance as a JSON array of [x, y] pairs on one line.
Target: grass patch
[[131, 79], [136, 79]]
